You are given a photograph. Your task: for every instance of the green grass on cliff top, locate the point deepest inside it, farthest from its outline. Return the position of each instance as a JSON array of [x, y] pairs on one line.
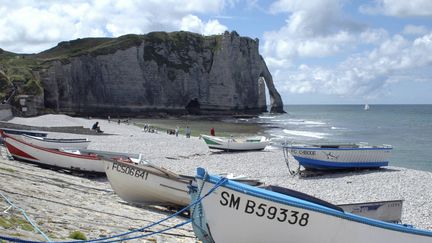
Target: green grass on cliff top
[[103, 46], [19, 67]]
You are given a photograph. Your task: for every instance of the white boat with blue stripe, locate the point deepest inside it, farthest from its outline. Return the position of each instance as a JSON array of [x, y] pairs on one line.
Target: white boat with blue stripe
[[235, 212], [236, 144], [340, 156]]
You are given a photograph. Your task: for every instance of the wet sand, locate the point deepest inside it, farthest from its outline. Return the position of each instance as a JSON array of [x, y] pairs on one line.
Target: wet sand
[[223, 127]]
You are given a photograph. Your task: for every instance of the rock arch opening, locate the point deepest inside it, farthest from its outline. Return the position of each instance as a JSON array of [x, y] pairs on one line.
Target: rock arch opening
[[263, 94]]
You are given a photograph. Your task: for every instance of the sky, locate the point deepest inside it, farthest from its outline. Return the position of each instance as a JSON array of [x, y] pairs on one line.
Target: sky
[[318, 51]]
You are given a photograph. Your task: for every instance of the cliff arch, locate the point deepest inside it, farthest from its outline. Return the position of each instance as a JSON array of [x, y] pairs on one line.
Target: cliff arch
[[276, 104], [178, 72]]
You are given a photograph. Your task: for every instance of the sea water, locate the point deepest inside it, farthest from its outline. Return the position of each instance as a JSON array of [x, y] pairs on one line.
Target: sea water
[[408, 128]]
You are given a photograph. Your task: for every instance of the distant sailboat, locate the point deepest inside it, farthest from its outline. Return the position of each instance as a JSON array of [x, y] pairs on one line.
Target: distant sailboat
[[366, 107]]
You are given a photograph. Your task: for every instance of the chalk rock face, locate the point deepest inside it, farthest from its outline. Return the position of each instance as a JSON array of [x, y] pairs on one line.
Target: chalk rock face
[[178, 72]]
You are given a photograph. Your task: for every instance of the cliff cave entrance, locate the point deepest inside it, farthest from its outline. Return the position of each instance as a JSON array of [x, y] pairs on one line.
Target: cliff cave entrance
[[193, 107]]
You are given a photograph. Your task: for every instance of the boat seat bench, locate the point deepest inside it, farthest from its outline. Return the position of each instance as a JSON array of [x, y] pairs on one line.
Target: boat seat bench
[[302, 196]]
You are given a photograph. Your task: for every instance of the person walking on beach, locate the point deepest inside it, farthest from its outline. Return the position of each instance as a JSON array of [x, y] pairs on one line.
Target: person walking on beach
[[176, 131], [188, 132], [212, 131]]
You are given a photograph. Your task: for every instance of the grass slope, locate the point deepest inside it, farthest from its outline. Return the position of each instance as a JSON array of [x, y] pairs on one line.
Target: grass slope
[[18, 68]]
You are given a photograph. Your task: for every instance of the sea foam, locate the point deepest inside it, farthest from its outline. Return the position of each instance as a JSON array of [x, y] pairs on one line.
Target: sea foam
[[318, 135]]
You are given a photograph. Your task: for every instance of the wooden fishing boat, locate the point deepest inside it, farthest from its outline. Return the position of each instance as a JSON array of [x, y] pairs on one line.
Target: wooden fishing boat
[[340, 156], [52, 157], [56, 143], [148, 184], [258, 215], [134, 157], [21, 132], [236, 144], [389, 211]]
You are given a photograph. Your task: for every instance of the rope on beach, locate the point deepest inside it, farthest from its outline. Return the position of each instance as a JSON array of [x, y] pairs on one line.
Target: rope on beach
[[203, 230], [104, 239], [25, 215], [287, 161], [118, 240]]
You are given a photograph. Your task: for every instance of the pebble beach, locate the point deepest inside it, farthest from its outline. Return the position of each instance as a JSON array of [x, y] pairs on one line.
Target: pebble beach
[[60, 203]]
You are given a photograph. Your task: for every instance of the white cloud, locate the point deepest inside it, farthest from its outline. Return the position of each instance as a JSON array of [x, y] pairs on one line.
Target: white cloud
[[312, 18], [213, 27], [415, 30], [313, 29], [373, 36], [195, 24], [32, 26], [319, 29], [365, 75], [399, 8]]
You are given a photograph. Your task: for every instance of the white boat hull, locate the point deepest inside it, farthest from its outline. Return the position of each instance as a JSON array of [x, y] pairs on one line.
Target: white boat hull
[[148, 184], [56, 143], [256, 143], [51, 157], [328, 158], [141, 184], [389, 211], [256, 216], [20, 132]]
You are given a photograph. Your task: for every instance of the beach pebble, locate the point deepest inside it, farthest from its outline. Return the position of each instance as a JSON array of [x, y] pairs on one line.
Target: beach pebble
[[96, 210]]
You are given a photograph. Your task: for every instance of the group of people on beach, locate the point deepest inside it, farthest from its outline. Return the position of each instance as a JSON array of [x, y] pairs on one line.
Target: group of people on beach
[[187, 131], [148, 128], [96, 126], [176, 131], [119, 121]]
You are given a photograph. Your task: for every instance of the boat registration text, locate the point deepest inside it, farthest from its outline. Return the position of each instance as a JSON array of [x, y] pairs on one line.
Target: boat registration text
[[129, 170], [263, 210], [302, 152]]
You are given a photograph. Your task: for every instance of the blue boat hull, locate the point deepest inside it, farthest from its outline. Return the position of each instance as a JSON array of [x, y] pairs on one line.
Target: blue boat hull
[[329, 165]]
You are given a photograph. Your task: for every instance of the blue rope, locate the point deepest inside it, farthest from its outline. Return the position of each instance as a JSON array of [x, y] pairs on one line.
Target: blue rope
[[118, 240], [220, 182], [150, 234], [25, 215]]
